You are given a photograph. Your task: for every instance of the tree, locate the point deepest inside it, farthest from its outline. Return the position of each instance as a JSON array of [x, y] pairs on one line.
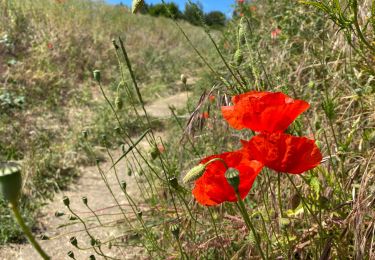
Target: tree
[[215, 18], [194, 13], [161, 10]]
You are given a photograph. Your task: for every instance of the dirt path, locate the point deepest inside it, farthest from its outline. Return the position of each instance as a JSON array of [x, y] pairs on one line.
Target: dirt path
[[91, 185]]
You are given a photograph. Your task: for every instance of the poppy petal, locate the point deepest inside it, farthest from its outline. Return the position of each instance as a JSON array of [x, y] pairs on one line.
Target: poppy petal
[[212, 187], [284, 153], [263, 111]]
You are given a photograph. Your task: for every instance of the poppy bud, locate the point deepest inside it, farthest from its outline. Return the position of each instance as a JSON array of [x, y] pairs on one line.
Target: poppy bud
[[183, 78], [233, 177], [97, 75], [175, 230], [173, 182], [93, 241], [72, 218], [154, 153], [92, 257], [66, 201], [118, 129], [137, 5], [74, 241], [238, 57], [119, 104], [194, 173], [43, 237], [139, 213], [242, 31], [10, 181], [71, 254], [129, 172], [84, 200], [84, 134], [59, 214]]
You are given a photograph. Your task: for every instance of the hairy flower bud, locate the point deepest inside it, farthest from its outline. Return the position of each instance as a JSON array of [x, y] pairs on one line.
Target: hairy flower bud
[[194, 173], [119, 103], [71, 254], [74, 241], [84, 200]]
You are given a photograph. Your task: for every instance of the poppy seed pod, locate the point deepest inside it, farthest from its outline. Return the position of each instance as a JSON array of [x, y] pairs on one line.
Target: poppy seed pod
[[96, 74], [233, 177], [123, 185], [66, 201], [183, 78], [173, 182], [74, 241], [175, 230], [71, 254], [10, 181], [194, 173]]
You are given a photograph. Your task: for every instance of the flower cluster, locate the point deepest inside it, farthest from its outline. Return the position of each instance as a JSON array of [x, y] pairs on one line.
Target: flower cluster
[[269, 114]]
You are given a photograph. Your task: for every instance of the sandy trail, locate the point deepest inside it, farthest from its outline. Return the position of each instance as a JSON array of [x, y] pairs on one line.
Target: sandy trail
[[91, 185]]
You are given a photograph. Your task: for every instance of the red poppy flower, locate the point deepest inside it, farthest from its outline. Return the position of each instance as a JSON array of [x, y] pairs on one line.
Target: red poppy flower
[[50, 46], [284, 153], [211, 98], [212, 187], [263, 111]]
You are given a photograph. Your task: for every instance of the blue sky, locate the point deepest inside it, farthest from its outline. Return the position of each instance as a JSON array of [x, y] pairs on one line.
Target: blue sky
[[224, 6]]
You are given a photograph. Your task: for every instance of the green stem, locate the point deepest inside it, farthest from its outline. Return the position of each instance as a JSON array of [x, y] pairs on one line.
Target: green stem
[[245, 215], [27, 231]]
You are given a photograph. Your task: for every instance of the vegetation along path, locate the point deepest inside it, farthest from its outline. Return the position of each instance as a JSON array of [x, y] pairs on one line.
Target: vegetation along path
[[91, 186]]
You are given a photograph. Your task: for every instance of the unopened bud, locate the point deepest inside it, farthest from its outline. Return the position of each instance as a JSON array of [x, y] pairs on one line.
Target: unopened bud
[[85, 134], [139, 213], [233, 177], [43, 237], [59, 214], [129, 172], [92, 257], [238, 57], [137, 5], [115, 44], [183, 78], [194, 173], [119, 104], [96, 74], [154, 153], [84, 200], [72, 218]]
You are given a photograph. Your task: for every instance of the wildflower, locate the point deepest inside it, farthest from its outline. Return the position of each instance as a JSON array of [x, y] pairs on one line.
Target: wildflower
[[205, 115], [50, 46], [241, 14], [263, 111], [212, 187], [253, 8], [275, 33], [211, 98], [240, 1], [283, 153], [161, 148]]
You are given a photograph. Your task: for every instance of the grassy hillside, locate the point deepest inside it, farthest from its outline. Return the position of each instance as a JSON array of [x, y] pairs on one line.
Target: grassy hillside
[[322, 53], [48, 50]]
